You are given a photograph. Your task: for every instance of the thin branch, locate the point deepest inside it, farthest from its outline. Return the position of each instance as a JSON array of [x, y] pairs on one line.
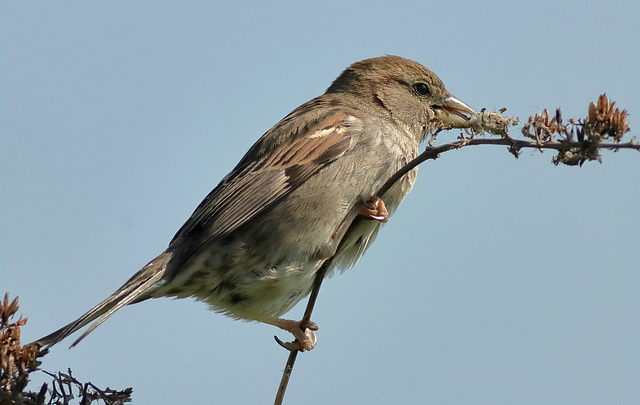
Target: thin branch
[[513, 144], [288, 368]]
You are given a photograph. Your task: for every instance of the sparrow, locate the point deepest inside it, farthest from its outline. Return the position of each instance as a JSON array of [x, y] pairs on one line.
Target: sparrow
[[304, 193]]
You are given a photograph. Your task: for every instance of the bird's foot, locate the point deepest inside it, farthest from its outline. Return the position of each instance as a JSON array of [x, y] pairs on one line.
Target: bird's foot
[[305, 337], [375, 209]]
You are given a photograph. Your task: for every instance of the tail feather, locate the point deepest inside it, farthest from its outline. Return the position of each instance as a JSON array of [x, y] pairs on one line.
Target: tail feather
[[130, 292]]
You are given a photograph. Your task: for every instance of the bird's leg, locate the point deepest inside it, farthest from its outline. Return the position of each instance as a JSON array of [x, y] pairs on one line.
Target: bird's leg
[[373, 208], [305, 338]]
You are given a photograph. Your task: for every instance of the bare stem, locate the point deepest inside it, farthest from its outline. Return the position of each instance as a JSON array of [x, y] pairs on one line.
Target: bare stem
[[288, 368]]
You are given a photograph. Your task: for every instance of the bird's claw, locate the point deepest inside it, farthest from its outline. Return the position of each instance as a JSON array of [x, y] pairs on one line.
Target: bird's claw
[[375, 209], [307, 344], [305, 337]]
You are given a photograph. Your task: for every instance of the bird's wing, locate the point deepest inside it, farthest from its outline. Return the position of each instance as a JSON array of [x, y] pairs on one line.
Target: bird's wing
[[284, 158]]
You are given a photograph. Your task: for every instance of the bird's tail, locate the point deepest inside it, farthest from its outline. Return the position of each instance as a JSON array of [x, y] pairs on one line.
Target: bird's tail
[[130, 292]]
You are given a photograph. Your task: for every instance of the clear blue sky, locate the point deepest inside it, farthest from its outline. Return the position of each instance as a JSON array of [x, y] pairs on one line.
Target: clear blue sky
[[499, 281]]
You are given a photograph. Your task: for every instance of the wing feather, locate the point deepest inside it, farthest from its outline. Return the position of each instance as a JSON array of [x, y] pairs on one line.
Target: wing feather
[[282, 160]]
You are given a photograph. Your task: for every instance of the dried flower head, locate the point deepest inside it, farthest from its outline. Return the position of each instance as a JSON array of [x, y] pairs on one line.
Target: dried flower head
[[542, 128], [492, 122], [16, 361], [605, 121]]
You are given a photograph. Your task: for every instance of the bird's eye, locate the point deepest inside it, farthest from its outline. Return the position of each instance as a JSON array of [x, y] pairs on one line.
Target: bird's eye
[[421, 88]]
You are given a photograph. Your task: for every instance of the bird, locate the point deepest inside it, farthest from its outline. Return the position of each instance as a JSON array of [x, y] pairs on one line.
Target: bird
[[304, 193]]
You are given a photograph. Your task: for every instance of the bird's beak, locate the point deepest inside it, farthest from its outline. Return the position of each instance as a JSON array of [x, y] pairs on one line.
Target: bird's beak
[[452, 112]]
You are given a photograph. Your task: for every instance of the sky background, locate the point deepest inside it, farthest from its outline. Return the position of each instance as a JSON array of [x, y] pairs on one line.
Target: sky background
[[499, 281]]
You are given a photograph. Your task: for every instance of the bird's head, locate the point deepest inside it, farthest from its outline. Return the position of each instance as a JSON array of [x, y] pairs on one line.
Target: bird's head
[[406, 92]]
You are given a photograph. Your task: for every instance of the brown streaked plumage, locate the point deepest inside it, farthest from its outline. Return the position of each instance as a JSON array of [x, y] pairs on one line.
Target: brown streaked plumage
[[252, 247]]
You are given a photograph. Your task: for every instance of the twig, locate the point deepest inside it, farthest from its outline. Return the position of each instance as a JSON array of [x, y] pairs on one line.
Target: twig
[[513, 144], [288, 368]]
